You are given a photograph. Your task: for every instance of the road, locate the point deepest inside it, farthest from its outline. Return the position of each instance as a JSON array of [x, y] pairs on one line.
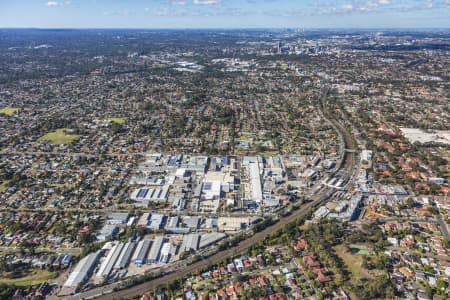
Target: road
[[113, 210], [7, 152], [347, 162], [444, 227], [72, 251], [428, 255]]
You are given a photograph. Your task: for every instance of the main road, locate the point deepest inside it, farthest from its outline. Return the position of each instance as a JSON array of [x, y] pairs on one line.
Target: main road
[[347, 163]]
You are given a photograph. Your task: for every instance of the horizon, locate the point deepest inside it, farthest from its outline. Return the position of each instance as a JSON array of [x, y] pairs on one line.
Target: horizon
[[219, 14], [231, 28]]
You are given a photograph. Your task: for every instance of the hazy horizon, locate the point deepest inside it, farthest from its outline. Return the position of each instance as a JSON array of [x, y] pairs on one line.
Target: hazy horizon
[[223, 14]]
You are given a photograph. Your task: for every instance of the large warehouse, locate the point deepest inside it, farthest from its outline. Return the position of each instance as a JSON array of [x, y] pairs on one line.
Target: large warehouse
[[83, 270], [108, 264]]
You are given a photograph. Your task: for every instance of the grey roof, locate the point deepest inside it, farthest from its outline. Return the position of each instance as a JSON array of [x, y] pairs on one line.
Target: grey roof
[[83, 270], [125, 256], [156, 247], [190, 242], [144, 250]]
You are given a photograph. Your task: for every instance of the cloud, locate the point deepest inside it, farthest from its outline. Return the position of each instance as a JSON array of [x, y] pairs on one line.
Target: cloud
[[352, 7], [57, 3], [53, 3], [179, 2], [206, 2]]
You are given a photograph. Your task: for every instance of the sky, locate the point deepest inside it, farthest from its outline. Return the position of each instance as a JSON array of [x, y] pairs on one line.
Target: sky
[[225, 13]]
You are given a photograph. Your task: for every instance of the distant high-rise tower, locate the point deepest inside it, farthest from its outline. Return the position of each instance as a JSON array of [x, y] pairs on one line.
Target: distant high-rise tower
[[279, 48]]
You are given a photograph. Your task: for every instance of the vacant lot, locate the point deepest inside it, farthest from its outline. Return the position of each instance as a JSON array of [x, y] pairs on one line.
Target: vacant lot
[[9, 110], [59, 137], [35, 277], [353, 259], [4, 185]]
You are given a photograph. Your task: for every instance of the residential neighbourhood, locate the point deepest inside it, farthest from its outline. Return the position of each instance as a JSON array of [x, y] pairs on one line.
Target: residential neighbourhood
[[224, 164]]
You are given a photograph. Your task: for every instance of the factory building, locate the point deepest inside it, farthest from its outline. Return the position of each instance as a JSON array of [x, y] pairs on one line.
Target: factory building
[[210, 238], [108, 231], [143, 220], [321, 212], [173, 222], [195, 164], [83, 270], [234, 223], [124, 258], [142, 250], [143, 196], [172, 226], [190, 243], [156, 221], [253, 167], [109, 262], [154, 253], [67, 259], [117, 218], [165, 253]]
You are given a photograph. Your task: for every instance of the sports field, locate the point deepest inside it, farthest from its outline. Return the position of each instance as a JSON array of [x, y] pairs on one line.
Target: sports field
[[9, 111], [59, 137]]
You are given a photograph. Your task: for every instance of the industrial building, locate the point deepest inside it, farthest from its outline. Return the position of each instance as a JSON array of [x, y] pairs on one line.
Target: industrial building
[[154, 253], [125, 256], [67, 259], [210, 238], [109, 262], [108, 231], [150, 194], [321, 212], [253, 168], [190, 243], [165, 253], [172, 226], [117, 218], [211, 190], [173, 222], [192, 222], [83, 270], [234, 223], [143, 220], [141, 252], [195, 164], [156, 221]]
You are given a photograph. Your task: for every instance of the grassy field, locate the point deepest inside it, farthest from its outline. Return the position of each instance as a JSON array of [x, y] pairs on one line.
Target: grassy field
[[9, 111], [34, 278], [59, 137], [354, 262], [117, 120], [4, 186]]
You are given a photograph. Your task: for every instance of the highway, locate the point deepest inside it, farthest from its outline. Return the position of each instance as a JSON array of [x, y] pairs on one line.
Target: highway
[[347, 163]]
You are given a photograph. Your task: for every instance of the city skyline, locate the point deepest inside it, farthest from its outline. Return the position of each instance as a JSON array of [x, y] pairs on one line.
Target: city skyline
[[225, 14]]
